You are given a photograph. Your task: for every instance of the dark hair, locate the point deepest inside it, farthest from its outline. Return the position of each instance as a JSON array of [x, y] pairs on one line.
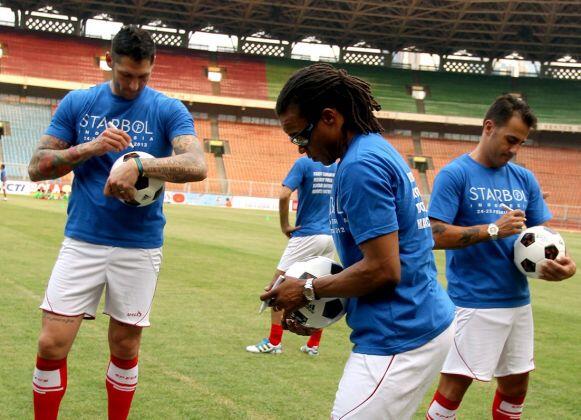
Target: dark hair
[[2, 166], [133, 42], [505, 106], [320, 86]]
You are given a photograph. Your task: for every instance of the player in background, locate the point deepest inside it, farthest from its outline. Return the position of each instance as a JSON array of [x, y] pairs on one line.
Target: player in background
[[311, 236], [400, 316], [107, 242], [494, 324], [3, 180]]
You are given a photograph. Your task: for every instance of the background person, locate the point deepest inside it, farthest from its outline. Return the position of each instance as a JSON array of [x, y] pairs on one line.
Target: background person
[[494, 322], [311, 236]]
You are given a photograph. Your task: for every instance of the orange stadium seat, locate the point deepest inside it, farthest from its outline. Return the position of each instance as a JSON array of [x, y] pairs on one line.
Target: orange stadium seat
[[243, 77]]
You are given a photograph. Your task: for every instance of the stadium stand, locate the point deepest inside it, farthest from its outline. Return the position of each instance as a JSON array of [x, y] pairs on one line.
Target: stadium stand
[[389, 85], [260, 155], [257, 153], [243, 77], [461, 94], [27, 123], [46, 56], [76, 59]]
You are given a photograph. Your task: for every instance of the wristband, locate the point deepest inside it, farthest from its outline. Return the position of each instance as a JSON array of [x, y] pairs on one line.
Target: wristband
[[139, 165]]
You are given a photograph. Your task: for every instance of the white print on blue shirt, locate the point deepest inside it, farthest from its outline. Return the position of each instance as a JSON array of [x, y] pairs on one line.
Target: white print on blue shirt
[[91, 126], [423, 220], [322, 182]]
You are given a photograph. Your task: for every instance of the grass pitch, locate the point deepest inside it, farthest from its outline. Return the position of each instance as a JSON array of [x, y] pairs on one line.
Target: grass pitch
[[193, 364]]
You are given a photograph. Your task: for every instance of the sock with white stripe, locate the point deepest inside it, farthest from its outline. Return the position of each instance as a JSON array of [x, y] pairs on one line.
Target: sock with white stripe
[[442, 408], [507, 408], [121, 383], [49, 383]]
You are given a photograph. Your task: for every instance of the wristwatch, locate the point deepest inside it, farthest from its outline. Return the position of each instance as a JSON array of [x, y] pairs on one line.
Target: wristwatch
[[308, 290], [492, 231]]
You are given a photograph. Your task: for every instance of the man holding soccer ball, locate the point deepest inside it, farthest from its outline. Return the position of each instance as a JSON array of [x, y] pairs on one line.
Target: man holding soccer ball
[[400, 316], [480, 202], [106, 241], [311, 236]]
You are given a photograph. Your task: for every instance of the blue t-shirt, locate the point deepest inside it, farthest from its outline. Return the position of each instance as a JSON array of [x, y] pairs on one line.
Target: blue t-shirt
[[314, 182], [3, 175], [466, 193], [152, 120], [375, 194]]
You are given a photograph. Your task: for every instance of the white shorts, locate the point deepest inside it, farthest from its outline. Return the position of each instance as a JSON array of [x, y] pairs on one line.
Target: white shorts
[[300, 248], [389, 387], [492, 342], [82, 270]]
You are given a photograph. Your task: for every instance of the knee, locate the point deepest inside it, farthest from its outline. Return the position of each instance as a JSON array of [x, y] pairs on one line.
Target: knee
[[51, 346], [124, 347], [514, 386]]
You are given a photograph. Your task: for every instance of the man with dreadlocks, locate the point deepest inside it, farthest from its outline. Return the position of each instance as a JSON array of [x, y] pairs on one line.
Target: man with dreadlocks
[[400, 316]]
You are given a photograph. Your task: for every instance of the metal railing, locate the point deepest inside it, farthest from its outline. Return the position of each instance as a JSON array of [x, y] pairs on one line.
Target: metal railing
[[564, 215]]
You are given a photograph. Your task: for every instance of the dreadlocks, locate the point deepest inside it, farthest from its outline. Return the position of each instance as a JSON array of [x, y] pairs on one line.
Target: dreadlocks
[[320, 86]]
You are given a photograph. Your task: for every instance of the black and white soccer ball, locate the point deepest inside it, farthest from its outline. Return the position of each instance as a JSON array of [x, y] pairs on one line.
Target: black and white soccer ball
[[148, 189], [319, 313], [534, 246]]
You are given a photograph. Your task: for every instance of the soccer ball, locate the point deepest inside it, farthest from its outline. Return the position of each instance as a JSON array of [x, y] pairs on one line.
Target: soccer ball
[[148, 189], [534, 246], [319, 313]]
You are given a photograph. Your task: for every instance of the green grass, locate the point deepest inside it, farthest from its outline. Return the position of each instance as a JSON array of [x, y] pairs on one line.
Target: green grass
[[193, 363]]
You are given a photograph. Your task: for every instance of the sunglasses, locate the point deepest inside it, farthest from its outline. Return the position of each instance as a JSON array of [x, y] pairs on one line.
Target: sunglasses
[[303, 138]]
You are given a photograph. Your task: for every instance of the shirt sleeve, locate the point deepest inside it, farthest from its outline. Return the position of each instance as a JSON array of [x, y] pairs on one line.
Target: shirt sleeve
[[367, 198], [295, 176], [63, 123], [537, 211], [179, 120], [445, 197]]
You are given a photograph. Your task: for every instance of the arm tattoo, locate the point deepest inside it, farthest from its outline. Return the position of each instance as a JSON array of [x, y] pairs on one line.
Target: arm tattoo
[[53, 158], [448, 236], [187, 165], [438, 228], [468, 236]]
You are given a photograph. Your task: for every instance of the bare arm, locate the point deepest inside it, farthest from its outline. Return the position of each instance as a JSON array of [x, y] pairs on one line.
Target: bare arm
[[54, 158], [447, 236], [283, 211], [187, 165], [380, 267]]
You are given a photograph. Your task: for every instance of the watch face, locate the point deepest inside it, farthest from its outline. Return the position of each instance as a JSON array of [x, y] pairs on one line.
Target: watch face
[[493, 229]]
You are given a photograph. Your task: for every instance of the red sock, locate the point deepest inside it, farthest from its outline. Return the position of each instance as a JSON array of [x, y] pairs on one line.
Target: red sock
[[49, 384], [275, 334], [121, 383], [442, 408], [507, 408], [315, 339]]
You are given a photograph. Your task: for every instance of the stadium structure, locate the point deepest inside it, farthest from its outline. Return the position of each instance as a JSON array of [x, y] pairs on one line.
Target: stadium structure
[[431, 113]]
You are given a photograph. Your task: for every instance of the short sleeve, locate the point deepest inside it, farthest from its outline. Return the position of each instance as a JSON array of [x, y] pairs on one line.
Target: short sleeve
[[295, 175], [63, 123], [537, 211], [367, 198], [179, 120], [445, 197]]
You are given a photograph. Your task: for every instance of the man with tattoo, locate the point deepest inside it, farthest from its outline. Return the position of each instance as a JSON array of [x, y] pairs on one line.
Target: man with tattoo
[[108, 243], [480, 202]]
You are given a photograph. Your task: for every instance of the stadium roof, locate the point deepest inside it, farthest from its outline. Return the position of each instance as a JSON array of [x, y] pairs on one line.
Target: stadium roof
[[543, 30]]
